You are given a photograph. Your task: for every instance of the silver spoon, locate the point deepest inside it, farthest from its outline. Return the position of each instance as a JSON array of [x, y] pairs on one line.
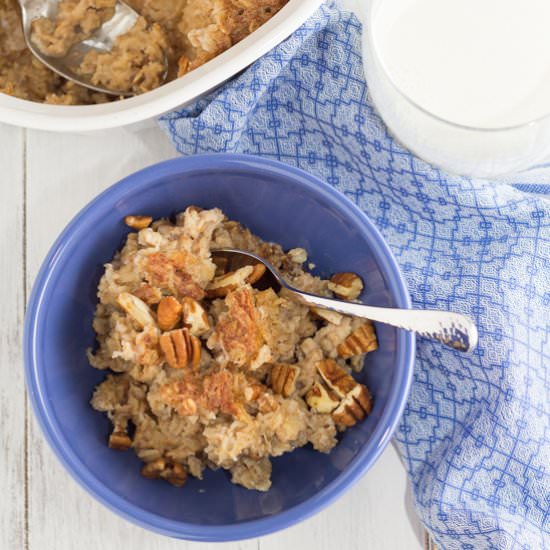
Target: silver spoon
[[452, 329], [103, 40]]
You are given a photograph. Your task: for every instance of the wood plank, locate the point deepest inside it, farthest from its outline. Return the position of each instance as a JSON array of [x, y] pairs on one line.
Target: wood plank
[[12, 299], [373, 514]]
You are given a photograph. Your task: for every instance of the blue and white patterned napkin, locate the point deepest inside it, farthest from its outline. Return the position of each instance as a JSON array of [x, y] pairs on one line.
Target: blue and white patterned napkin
[[475, 436]]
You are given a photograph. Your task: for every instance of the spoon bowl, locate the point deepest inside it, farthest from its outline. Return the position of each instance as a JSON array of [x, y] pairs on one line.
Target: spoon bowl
[[101, 41]]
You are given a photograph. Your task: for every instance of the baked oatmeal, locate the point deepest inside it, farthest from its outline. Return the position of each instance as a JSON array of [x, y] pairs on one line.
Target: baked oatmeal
[[210, 369], [170, 38]]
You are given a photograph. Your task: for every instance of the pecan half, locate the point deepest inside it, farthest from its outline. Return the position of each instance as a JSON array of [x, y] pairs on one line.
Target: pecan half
[[138, 222], [354, 407], [223, 285], [321, 399], [361, 340], [181, 349], [356, 401], [194, 317], [335, 377], [137, 309], [346, 286], [283, 378], [168, 313]]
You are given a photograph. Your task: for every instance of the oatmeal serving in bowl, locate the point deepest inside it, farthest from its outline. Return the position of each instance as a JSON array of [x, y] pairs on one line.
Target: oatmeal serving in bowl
[[210, 369]]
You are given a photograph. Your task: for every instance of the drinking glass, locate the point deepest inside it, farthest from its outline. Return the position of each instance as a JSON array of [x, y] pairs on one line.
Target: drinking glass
[[460, 149]]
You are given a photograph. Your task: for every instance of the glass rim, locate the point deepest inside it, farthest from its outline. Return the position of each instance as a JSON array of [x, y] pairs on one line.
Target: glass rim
[[481, 129]]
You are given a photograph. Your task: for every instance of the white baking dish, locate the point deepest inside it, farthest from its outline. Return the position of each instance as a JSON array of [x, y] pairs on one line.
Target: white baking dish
[[168, 97]]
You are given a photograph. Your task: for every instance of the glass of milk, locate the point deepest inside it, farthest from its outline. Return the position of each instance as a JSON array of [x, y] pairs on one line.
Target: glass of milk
[[464, 84]]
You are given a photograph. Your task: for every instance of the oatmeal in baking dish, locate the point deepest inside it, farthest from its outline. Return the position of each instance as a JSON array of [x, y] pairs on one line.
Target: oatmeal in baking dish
[[170, 38], [207, 368]]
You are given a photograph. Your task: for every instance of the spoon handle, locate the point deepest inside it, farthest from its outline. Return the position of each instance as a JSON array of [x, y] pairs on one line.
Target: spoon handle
[[452, 329]]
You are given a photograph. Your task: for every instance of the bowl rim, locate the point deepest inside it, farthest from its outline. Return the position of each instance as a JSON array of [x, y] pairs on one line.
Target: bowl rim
[[45, 415]]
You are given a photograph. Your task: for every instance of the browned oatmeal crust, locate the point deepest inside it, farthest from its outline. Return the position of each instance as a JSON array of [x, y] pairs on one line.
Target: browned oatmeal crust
[[231, 380]]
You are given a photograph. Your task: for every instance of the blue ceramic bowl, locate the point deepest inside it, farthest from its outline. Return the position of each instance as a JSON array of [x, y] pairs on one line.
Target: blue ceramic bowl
[[279, 203]]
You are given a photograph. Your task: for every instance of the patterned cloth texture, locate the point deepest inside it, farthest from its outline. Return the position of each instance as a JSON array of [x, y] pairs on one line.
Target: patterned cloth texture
[[475, 435]]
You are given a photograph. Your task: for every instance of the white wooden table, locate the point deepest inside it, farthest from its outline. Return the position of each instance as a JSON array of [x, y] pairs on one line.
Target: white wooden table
[[44, 180]]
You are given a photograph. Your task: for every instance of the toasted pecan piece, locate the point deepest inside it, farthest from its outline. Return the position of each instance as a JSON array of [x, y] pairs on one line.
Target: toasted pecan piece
[[120, 441], [354, 407], [346, 286], [137, 309], [168, 313], [138, 222], [283, 378], [335, 377], [152, 470], [356, 401], [322, 399], [194, 317], [331, 316], [221, 286], [171, 471], [228, 282], [361, 340], [181, 349], [175, 474]]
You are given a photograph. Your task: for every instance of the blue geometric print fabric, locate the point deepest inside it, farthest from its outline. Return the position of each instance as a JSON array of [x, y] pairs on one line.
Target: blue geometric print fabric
[[475, 435]]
